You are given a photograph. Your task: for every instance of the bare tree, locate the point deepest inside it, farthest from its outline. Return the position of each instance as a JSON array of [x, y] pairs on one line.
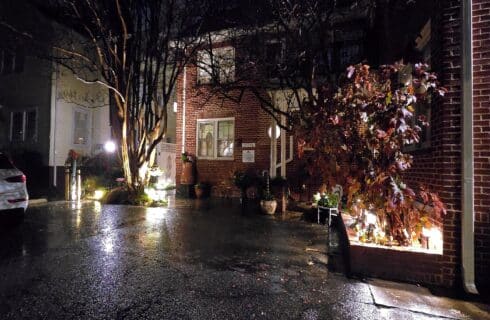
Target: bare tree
[[293, 47], [136, 49]]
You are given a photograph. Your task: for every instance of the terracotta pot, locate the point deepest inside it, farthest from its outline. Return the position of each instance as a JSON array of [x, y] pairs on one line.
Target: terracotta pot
[[187, 176], [268, 206], [199, 192]]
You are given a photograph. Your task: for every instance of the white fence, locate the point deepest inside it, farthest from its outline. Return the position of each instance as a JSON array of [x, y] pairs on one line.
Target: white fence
[[166, 161]]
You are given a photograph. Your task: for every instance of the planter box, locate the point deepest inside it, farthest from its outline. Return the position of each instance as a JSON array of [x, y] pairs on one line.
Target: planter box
[[392, 263]]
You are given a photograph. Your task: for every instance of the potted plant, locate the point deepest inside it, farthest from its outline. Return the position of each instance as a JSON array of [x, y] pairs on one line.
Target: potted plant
[[327, 200], [243, 181], [199, 190], [268, 203], [187, 176]]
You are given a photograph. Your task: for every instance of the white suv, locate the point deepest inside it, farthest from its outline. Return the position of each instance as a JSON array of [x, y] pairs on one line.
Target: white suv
[[13, 191]]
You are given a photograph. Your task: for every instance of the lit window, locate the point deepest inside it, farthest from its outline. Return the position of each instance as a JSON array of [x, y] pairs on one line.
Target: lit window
[[206, 140], [80, 129], [215, 138], [217, 65]]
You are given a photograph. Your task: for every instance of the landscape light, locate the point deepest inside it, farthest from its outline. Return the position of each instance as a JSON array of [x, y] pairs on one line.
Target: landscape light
[[99, 194]]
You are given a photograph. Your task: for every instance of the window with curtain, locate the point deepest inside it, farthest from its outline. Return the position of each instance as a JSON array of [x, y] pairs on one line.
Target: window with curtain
[[215, 138]]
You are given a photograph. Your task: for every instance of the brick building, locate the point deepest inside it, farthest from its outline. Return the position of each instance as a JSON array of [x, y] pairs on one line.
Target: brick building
[[461, 157], [453, 158]]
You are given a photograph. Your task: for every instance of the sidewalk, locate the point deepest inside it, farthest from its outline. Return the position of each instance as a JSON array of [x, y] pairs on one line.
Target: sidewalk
[[419, 300]]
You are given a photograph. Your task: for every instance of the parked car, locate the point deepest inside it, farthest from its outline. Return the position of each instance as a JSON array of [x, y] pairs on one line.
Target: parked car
[[13, 192]]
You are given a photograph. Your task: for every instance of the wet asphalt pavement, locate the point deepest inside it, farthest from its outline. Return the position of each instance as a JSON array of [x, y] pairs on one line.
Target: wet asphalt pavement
[[193, 260]]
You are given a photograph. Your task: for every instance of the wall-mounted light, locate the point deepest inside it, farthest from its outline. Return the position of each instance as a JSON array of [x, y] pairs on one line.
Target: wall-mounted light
[[110, 146], [175, 106], [278, 132]]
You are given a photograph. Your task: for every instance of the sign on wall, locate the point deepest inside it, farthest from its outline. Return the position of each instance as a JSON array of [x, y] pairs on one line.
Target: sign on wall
[[248, 156], [248, 145]]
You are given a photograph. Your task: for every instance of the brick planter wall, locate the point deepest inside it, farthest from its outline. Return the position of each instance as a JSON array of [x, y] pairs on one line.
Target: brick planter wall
[[395, 265]]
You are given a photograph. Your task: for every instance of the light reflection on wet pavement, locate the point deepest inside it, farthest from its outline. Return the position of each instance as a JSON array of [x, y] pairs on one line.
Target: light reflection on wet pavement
[[193, 260]]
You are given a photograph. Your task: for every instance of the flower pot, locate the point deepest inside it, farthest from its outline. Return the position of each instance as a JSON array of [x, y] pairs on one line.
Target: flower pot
[[199, 192], [268, 206], [187, 176]]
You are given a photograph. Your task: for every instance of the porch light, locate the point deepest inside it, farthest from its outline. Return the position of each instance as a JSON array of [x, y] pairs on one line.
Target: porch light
[[110, 146], [278, 132]]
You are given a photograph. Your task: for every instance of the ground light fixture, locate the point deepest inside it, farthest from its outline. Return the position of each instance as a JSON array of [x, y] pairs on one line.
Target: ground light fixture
[[98, 194], [110, 146]]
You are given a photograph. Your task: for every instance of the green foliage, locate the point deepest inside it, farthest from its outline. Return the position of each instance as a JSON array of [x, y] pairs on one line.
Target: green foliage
[[279, 181], [200, 185], [119, 195], [243, 180], [330, 200], [185, 157], [99, 172], [267, 196], [160, 203], [141, 199], [92, 183]]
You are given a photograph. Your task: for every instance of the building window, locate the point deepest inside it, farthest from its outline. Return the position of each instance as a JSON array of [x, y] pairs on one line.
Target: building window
[[80, 128], [421, 114], [215, 138], [23, 125], [274, 56], [11, 61], [422, 108], [216, 65], [31, 125], [17, 126]]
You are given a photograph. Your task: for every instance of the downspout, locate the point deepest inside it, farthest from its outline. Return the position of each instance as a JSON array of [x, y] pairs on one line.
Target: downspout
[[468, 212], [54, 102], [184, 87], [283, 147]]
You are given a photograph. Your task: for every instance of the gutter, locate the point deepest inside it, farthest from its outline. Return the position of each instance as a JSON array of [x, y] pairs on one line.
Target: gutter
[[468, 196]]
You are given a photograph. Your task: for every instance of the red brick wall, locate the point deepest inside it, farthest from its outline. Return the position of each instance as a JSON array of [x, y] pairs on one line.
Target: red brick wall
[[481, 139], [251, 125], [365, 261], [439, 167]]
